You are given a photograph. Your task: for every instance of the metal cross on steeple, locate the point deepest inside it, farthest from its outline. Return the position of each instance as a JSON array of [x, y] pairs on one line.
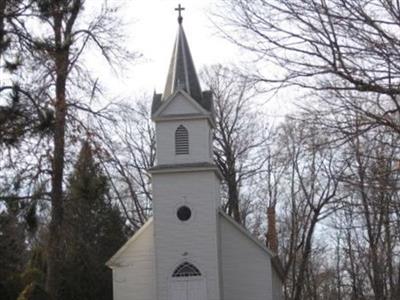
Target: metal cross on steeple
[[179, 9]]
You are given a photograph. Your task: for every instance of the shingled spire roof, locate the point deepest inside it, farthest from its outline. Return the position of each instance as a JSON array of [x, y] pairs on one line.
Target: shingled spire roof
[[182, 74]]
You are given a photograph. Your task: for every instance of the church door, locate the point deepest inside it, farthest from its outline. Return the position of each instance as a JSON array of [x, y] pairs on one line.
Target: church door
[[187, 283]]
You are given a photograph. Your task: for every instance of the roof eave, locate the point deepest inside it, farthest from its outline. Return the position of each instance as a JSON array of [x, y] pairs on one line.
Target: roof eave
[[111, 263]]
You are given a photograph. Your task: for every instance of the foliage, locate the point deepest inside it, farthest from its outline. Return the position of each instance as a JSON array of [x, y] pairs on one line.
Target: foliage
[[12, 253], [93, 231], [34, 292], [42, 44]]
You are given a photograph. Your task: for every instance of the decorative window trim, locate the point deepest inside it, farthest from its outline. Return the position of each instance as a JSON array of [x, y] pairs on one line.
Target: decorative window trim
[[186, 269], [181, 140]]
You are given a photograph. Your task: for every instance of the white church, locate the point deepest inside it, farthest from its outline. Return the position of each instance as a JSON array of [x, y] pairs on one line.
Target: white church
[[190, 249]]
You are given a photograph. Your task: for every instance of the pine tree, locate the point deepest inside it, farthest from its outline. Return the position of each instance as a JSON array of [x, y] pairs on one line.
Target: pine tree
[[94, 230], [12, 253]]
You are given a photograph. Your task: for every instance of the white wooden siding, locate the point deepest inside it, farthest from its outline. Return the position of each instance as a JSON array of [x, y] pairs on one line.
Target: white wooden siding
[[194, 240], [199, 142], [246, 267], [277, 286], [180, 105], [133, 270]]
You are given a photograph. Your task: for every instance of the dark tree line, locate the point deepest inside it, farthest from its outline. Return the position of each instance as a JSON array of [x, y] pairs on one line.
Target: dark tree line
[[94, 230], [46, 94]]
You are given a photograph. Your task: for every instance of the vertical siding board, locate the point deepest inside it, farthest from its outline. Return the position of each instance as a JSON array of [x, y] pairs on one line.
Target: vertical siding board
[[133, 278], [196, 237], [199, 142], [246, 267]]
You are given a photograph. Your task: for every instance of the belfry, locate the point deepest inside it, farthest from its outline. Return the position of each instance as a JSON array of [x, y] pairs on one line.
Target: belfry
[[190, 249]]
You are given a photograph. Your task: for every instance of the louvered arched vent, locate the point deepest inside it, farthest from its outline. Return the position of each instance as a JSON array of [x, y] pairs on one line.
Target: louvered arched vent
[[186, 270], [181, 140]]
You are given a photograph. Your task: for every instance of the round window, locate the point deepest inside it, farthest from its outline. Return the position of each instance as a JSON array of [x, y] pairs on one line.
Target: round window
[[184, 213]]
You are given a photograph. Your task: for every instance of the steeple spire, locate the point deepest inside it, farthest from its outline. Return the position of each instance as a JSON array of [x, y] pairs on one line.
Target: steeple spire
[[182, 73]]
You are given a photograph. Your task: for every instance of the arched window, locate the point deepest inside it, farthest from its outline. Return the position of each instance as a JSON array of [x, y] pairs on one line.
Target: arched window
[[186, 270], [181, 140]]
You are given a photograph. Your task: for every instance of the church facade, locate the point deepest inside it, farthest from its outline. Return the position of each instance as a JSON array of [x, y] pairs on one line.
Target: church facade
[[190, 249]]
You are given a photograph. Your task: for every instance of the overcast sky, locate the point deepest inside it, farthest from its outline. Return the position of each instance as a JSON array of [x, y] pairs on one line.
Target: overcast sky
[[152, 29]]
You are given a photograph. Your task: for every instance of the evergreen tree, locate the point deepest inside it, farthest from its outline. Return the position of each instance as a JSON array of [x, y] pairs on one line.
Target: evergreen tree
[[12, 253], [94, 230]]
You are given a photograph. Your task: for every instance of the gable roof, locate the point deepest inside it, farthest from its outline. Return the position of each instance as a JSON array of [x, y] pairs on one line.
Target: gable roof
[[206, 102], [165, 103], [275, 261], [157, 109], [112, 261]]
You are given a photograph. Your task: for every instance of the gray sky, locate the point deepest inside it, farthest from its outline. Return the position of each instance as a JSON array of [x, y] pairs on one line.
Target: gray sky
[[152, 29]]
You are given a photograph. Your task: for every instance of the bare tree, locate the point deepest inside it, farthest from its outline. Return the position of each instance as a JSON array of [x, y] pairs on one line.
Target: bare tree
[[345, 54], [311, 195], [239, 133], [127, 151], [271, 186], [351, 48], [369, 220]]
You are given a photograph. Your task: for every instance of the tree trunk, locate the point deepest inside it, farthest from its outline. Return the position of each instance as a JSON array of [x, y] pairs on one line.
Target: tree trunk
[[233, 206], [55, 226], [305, 259]]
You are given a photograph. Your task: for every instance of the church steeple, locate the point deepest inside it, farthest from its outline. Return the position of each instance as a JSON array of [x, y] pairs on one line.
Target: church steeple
[[182, 73]]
